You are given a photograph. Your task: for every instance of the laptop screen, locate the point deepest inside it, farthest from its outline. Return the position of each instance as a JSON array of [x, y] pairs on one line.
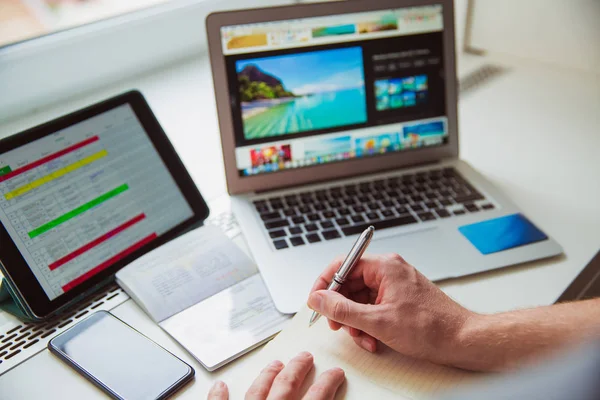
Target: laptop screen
[[327, 89]]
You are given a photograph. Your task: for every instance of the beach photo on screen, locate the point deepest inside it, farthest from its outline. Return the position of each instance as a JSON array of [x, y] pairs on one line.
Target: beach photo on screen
[[304, 92]]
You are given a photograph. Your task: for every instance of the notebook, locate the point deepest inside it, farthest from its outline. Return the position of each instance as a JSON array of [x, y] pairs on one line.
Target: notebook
[[205, 292], [386, 374]]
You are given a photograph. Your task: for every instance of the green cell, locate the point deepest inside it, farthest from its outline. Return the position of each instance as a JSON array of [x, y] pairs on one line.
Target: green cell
[[5, 170], [79, 210]]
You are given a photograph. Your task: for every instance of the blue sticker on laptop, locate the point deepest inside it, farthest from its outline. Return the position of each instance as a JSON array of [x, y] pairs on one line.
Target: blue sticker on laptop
[[502, 233]]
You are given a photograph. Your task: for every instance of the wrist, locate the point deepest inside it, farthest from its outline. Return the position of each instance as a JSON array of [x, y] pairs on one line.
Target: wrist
[[473, 348]]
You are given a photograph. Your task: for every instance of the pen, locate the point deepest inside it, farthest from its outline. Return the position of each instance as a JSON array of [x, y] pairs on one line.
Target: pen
[[348, 265]]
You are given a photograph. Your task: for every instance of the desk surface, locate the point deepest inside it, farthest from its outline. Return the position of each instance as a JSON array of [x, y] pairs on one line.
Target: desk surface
[[532, 131]]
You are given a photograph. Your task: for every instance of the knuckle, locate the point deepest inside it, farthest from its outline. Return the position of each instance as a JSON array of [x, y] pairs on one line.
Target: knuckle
[[288, 383], [395, 257], [339, 311]]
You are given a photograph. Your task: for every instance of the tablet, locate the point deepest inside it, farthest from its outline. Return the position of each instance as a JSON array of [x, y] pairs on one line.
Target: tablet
[[84, 195]]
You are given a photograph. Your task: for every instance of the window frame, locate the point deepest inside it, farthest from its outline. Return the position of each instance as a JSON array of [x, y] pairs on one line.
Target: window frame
[[39, 72]]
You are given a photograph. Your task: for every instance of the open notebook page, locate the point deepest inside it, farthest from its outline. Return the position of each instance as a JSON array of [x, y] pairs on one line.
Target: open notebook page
[[367, 373], [185, 271]]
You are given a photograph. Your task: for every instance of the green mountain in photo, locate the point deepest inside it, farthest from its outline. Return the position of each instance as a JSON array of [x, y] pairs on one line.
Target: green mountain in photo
[[256, 84]]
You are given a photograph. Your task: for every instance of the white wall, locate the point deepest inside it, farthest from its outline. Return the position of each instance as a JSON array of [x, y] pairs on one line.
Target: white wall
[[560, 32]]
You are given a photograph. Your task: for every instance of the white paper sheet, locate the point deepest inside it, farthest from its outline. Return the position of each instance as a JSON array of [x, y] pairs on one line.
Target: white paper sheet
[[184, 272], [228, 324]]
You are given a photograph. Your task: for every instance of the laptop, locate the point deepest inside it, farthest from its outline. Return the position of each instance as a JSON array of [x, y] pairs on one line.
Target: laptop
[[337, 116]]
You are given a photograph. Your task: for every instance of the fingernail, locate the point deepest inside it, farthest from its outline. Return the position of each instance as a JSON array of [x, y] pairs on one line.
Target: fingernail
[[314, 301], [367, 345], [305, 354], [276, 364], [219, 385]]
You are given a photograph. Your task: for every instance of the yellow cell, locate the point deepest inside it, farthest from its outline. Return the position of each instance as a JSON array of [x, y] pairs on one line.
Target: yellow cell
[[56, 174]]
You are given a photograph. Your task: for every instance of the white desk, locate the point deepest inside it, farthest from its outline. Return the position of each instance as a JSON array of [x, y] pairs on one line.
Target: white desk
[[534, 132]]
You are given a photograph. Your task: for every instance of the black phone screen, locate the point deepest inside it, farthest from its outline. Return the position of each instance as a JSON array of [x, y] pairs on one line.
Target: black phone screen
[[119, 359]]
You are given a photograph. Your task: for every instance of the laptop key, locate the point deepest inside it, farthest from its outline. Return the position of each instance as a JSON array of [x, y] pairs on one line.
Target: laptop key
[[332, 234], [344, 211], [280, 223], [445, 202], [358, 218], [313, 217], [271, 215], [311, 227], [372, 216], [319, 207], [329, 214], [277, 205], [430, 204], [280, 244], [358, 209], [459, 212], [468, 198], [313, 238], [342, 221], [295, 230], [297, 241], [471, 207], [387, 213], [487, 206], [442, 213], [289, 212], [384, 224], [334, 204], [326, 224], [373, 206], [426, 216], [263, 208], [416, 208], [298, 220], [277, 234], [305, 209]]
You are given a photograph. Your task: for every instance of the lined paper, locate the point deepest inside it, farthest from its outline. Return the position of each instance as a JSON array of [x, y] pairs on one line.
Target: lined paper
[[367, 373]]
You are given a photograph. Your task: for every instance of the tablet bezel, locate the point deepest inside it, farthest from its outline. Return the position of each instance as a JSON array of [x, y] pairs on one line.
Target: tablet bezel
[[14, 265]]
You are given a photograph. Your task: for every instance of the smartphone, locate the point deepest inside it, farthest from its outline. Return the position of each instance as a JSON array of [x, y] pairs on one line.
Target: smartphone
[[120, 360]]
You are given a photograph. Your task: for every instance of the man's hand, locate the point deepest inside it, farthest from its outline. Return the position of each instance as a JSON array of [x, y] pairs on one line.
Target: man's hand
[[281, 382], [387, 299]]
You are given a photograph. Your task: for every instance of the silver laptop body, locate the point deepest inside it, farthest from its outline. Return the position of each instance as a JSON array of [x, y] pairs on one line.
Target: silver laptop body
[[341, 115]]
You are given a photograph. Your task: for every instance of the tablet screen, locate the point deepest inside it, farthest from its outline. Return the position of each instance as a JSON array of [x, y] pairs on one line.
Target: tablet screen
[[78, 200]]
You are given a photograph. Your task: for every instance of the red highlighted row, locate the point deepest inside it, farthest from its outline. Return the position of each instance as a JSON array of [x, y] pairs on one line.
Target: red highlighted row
[[48, 158], [109, 262], [96, 242]]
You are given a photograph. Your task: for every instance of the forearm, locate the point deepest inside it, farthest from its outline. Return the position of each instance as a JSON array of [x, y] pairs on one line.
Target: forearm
[[505, 340]]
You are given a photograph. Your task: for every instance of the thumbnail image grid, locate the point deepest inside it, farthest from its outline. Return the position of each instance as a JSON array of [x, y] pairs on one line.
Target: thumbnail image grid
[[303, 92], [394, 93]]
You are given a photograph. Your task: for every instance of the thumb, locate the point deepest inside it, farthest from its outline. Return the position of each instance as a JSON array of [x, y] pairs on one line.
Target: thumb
[[338, 308]]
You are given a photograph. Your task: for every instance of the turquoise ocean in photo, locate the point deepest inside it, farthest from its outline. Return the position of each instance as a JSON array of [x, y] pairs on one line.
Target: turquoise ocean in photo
[[311, 112]]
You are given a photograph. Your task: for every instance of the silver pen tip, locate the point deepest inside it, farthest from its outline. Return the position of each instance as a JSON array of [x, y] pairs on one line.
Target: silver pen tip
[[314, 318], [371, 228]]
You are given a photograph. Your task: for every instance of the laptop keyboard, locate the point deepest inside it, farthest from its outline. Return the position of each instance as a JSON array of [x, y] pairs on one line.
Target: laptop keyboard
[[328, 214]]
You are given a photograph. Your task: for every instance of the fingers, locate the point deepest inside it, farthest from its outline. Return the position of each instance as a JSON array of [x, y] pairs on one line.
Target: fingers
[[367, 273], [336, 307], [219, 391], [259, 390], [366, 341], [288, 382], [326, 385]]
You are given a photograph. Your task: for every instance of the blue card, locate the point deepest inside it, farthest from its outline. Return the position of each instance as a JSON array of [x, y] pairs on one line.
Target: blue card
[[502, 233]]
